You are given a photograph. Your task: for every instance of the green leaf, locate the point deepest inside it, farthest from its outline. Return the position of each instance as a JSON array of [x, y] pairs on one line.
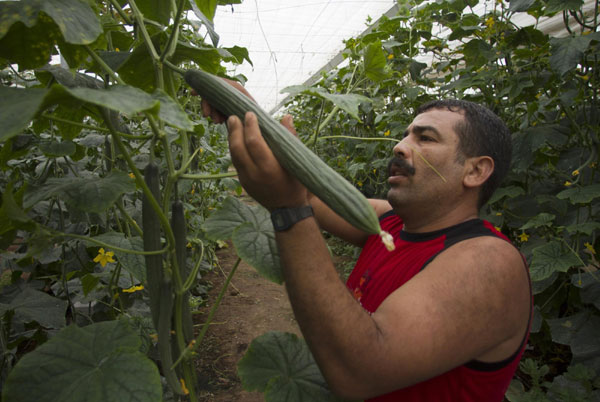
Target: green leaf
[[86, 194], [281, 365], [255, 244], [252, 233], [520, 5], [76, 20], [375, 62], [510, 192], [347, 102], [551, 258], [210, 26], [222, 222], [580, 195], [207, 8], [135, 264], [124, 99], [567, 52], [157, 10], [11, 213], [171, 113], [97, 363], [543, 219], [478, 52], [33, 305], [580, 332], [561, 5], [585, 228], [55, 149], [18, 106], [589, 284]]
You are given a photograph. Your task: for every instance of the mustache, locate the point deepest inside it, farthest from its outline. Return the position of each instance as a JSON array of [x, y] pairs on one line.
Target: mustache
[[398, 164]]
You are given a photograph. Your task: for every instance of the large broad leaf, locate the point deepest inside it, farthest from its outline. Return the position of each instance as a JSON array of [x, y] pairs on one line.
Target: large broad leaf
[[207, 8], [222, 222], [157, 10], [567, 52], [255, 244], [135, 264], [561, 5], [510, 191], [375, 62], [520, 5], [589, 283], [580, 195], [281, 365], [86, 194], [124, 99], [478, 52], [97, 363], [171, 113], [55, 149], [18, 106], [75, 19], [210, 26], [347, 102], [33, 305], [580, 332], [551, 258], [252, 233], [543, 219]]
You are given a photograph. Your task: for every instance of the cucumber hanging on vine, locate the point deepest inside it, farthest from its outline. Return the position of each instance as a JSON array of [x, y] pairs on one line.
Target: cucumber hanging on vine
[[152, 242]]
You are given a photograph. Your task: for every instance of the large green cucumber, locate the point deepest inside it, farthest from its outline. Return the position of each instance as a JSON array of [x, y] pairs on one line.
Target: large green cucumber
[[294, 156]]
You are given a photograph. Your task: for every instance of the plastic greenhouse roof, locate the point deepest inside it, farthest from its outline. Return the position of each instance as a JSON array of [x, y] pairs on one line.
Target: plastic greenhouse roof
[[291, 41]]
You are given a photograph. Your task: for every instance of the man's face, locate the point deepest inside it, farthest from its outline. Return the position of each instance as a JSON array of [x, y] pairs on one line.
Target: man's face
[[425, 170]]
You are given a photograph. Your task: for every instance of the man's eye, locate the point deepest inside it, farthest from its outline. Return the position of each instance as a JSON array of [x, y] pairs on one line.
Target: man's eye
[[425, 138]]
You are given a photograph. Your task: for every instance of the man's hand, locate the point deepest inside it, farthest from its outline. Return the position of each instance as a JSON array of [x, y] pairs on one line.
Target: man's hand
[[214, 114], [259, 172]]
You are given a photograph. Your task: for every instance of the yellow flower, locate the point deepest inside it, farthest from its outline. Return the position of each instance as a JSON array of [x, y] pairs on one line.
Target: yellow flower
[[390, 56], [490, 22], [498, 213], [104, 257], [523, 237], [497, 228], [117, 49], [568, 183], [183, 387], [538, 95], [133, 289], [590, 248], [374, 171], [201, 150], [359, 183], [387, 133], [575, 172]]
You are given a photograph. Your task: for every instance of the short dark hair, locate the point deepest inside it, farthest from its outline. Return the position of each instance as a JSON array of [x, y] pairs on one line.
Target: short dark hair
[[481, 132]]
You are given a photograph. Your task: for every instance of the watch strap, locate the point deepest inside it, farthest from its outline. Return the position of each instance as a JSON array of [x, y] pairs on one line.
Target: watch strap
[[285, 218]]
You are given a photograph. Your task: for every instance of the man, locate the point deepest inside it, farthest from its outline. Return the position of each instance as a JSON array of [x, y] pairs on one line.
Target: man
[[445, 317]]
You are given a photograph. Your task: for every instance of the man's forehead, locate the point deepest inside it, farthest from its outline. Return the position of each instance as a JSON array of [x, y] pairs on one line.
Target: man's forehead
[[438, 118]]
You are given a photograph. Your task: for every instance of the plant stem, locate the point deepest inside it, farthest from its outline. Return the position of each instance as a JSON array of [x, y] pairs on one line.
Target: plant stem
[[174, 33], [139, 18], [190, 176]]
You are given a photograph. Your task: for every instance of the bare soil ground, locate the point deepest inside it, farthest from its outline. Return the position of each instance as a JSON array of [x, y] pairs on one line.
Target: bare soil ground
[[251, 307]]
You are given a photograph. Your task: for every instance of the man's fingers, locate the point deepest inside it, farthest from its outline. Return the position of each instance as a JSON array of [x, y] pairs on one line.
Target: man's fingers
[[257, 148], [237, 145], [288, 122]]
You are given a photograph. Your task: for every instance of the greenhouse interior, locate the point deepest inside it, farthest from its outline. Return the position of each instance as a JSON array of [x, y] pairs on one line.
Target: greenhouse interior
[[258, 200]]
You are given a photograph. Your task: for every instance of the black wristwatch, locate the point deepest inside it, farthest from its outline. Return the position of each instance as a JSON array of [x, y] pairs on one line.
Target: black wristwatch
[[285, 218]]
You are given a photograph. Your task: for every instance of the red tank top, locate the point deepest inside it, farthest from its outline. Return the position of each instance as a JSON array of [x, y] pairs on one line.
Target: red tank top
[[378, 273]]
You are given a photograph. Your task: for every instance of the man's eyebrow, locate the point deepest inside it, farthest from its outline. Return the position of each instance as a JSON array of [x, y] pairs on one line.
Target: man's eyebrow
[[421, 129]]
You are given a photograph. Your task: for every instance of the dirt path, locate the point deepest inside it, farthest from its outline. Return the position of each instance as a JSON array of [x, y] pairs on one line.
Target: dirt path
[[251, 307]]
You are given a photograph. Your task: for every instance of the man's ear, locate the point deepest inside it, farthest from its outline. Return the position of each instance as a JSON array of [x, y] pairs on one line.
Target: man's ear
[[479, 169]]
